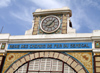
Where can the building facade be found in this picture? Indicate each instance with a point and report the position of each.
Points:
(50, 46)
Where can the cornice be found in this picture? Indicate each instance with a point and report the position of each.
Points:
(53, 12)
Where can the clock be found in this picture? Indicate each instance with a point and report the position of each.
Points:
(50, 24)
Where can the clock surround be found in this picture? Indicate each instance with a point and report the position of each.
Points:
(50, 24)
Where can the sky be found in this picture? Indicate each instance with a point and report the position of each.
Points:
(16, 15)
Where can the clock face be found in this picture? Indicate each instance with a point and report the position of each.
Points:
(50, 24)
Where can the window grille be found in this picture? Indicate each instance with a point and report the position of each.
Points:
(45, 65)
(22, 69)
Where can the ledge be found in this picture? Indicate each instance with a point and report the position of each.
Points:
(53, 11)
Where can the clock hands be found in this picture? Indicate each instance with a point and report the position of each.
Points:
(50, 23)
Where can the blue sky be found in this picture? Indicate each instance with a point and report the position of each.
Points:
(16, 15)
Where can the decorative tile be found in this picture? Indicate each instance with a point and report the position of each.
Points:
(56, 55)
(61, 56)
(85, 58)
(69, 61)
(78, 67)
(74, 64)
(81, 71)
(97, 53)
(65, 58)
(97, 44)
(36, 24)
(10, 58)
(3, 46)
(1, 54)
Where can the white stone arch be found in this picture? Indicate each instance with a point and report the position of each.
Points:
(69, 60)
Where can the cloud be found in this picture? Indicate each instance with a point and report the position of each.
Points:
(78, 8)
(80, 17)
(22, 15)
(48, 4)
(90, 3)
(4, 3)
(77, 14)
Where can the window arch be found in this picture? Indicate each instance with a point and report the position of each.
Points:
(63, 57)
(45, 65)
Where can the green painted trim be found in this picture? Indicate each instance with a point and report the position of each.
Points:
(3, 64)
(93, 61)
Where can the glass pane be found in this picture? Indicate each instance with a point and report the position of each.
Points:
(32, 72)
(67, 69)
(44, 72)
(45, 65)
(48, 65)
(22, 69)
(56, 65)
(56, 72)
(42, 65)
(34, 65)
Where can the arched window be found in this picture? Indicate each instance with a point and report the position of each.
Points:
(45, 65)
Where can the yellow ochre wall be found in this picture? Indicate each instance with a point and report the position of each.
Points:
(84, 57)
